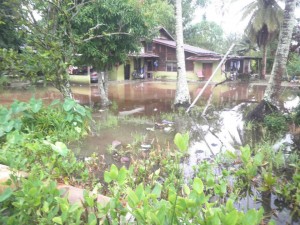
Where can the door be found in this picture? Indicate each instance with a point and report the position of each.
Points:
(127, 72)
(207, 70)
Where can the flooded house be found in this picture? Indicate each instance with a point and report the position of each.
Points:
(157, 60)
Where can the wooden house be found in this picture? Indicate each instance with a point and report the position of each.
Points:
(157, 60)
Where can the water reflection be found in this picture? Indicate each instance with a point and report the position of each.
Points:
(153, 96)
(223, 131)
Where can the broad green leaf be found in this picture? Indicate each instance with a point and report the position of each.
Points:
(246, 154)
(60, 148)
(230, 218)
(253, 217)
(57, 220)
(229, 205)
(198, 185)
(69, 104)
(45, 207)
(139, 191)
(92, 219)
(107, 177)
(258, 159)
(157, 190)
(5, 115)
(186, 189)
(80, 109)
(132, 199)
(122, 176)
(8, 126)
(113, 172)
(6, 194)
(17, 107)
(1, 132)
(35, 105)
(154, 218)
(182, 141)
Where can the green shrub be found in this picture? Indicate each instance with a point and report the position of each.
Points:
(275, 123)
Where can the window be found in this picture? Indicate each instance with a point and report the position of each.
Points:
(171, 66)
(149, 47)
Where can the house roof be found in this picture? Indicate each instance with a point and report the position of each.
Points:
(243, 57)
(197, 58)
(163, 31)
(187, 48)
(144, 55)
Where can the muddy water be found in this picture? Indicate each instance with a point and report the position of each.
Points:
(220, 130)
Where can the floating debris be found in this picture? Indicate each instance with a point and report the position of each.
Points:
(168, 130)
(167, 122)
(124, 159)
(150, 128)
(146, 146)
(115, 144)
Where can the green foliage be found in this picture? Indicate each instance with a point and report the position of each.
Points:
(275, 123)
(62, 122)
(9, 19)
(205, 34)
(293, 66)
(297, 116)
(42, 203)
(31, 135)
(182, 141)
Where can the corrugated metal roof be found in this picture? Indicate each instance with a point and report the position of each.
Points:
(188, 48)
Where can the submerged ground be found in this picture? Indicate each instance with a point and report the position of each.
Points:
(145, 108)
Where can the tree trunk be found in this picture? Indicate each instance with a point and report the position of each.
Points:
(264, 63)
(270, 100)
(103, 88)
(272, 92)
(182, 96)
(62, 83)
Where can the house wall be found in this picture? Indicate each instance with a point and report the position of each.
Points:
(117, 73)
(168, 54)
(190, 75)
(198, 66)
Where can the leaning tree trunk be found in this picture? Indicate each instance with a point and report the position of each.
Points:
(270, 100)
(182, 96)
(283, 47)
(62, 83)
(103, 88)
(264, 63)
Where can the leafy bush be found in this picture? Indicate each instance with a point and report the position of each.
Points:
(62, 122)
(275, 123)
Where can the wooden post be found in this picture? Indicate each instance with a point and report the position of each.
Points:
(211, 77)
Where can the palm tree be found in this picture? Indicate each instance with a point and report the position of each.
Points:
(263, 26)
(269, 103)
(280, 61)
(182, 96)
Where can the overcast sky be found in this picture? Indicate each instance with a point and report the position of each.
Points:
(229, 16)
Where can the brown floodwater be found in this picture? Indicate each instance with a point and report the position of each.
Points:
(221, 130)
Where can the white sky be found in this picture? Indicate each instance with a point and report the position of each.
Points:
(228, 16)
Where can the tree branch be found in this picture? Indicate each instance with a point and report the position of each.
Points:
(104, 35)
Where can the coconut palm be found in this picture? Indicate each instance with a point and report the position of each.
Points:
(269, 102)
(280, 61)
(182, 96)
(263, 26)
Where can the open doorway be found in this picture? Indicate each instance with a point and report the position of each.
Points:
(127, 72)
